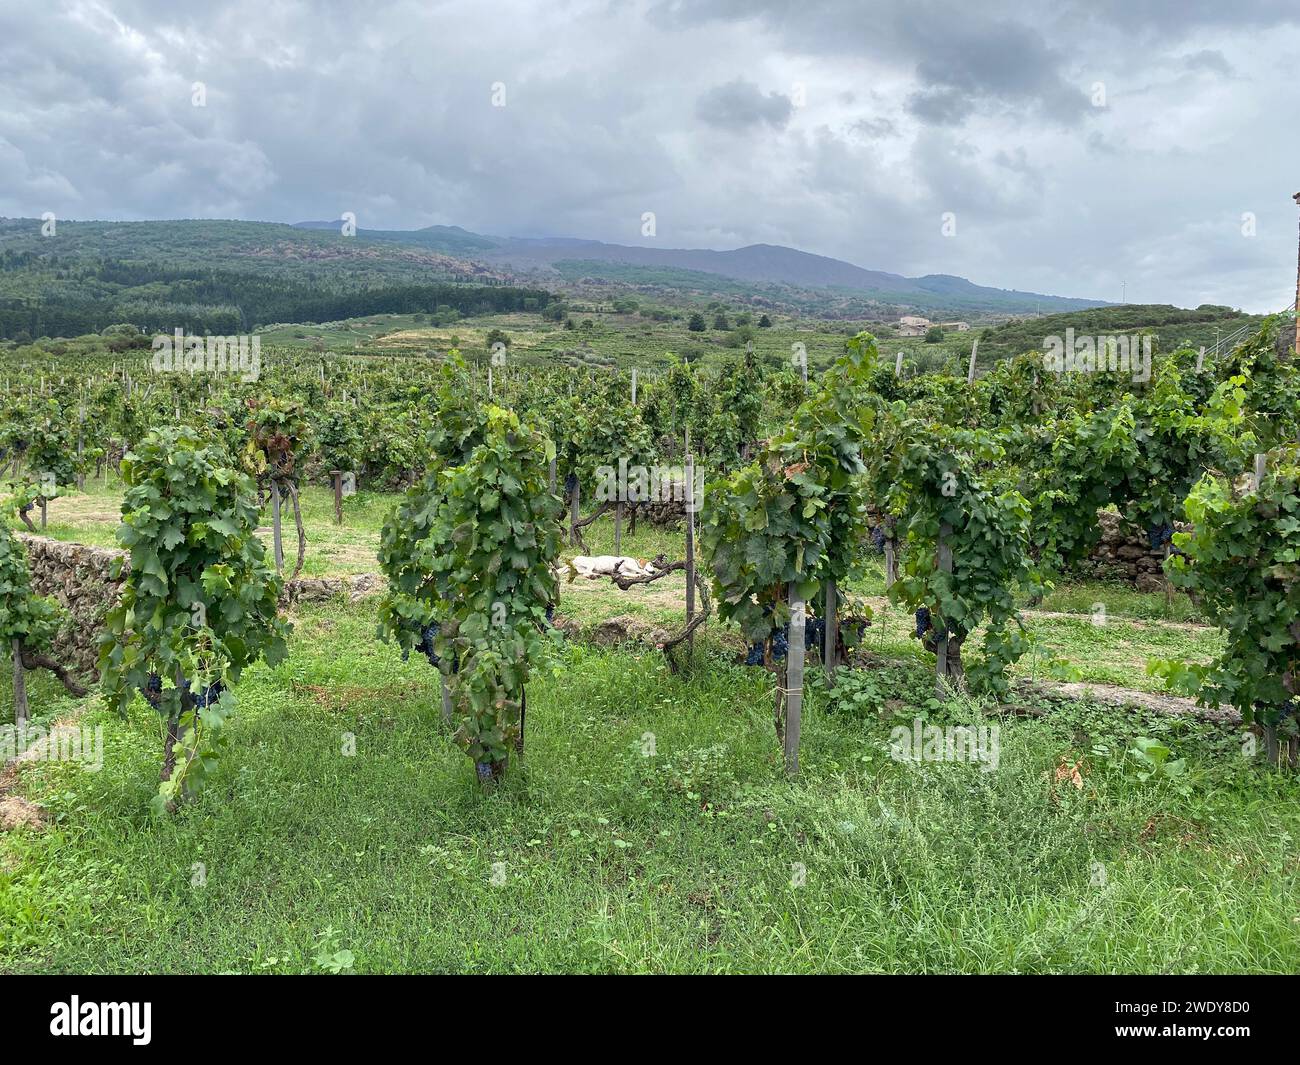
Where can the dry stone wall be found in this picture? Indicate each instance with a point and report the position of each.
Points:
(1125, 554)
(80, 578)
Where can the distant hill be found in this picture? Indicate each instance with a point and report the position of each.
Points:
(236, 273)
(1173, 326)
(229, 276)
(573, 258)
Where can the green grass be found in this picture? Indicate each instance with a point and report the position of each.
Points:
(618, 861)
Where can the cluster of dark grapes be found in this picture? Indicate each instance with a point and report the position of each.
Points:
(153, 692)
(814, 633)
(427, 635)
(925, 624)
(878, 538)
(570, 483)
(1159, 535)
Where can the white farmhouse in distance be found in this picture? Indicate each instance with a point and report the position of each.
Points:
(912, 326)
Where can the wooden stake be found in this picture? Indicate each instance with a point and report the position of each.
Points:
(1296, 197)
(941, 643)
(276, 540)
(20, 684)
(574, 499)
(523, 715)
(1169, 588)
(618, 527)
(832, 631)
(634, 386)
(898, 365)
(338, 496)
(81, 473)
(970, 370)
(794, 681)
(689, 471)
(446, 697)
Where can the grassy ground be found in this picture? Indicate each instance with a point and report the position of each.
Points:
(652, 830)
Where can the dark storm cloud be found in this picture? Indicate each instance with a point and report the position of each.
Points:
(1080, 145)
(740, 105)
(1209, 59)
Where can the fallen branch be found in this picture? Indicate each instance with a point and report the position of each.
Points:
(662, 568)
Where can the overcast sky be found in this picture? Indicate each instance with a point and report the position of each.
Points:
(1108, 142)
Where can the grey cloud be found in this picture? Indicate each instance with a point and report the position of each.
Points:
(914, 107)
(741, 105)
(941, 107)
(1211, 60)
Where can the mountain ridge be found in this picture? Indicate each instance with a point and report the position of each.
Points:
(755, 263)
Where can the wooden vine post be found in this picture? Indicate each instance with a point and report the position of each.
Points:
(831, 638)
(1270, 731)
(276, 536)
(970, 370)
(81, 428)
(689, 473)
(20, 684)
(552, 475)
(941, 639)
(575, 499)
(794, 680)
(891, 547)
(337, 475)
(1296, 197)
(446, 698)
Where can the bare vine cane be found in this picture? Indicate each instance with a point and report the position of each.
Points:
(33, 660)
(292, 488)
(576, 528)
(669, 645)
